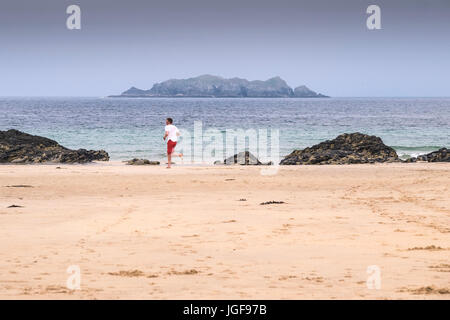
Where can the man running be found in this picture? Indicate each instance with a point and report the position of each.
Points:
(171, 133)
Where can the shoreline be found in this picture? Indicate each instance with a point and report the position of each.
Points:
(115, 163)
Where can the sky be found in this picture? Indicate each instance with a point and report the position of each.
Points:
(324, 44)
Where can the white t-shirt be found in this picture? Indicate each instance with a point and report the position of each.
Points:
(172, 130)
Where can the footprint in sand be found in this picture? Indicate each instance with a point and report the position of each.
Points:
(427, 248)
(132, 274)
(181, 273)
(443, 267)
(19, 186)
(427, 290)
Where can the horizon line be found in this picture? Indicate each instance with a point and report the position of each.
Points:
(315, 98)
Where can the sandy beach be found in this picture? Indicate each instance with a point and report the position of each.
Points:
(202, 233)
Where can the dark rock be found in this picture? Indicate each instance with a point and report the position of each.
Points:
(345, 149)
(20, 147)
(142, 162)
(242, 158)
(442, 155)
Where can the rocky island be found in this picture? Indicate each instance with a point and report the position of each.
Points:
(218, 87)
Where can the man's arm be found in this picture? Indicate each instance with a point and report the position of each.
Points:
(165, 135)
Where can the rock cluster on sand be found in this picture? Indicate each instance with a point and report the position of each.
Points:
(20, 147)
(344, 149)
(242, 158)
(442, 155)
(142, 162)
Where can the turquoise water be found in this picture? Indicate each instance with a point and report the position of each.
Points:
(128, 128)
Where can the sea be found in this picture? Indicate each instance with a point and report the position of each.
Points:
(133, 127)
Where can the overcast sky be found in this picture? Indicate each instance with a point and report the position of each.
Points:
(324, 44)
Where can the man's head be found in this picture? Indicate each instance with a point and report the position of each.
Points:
(169, 121)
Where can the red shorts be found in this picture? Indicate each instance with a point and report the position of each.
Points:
(170, 146)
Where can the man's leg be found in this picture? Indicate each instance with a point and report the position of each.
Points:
(179, 155)
(169, 159)
(176, 154)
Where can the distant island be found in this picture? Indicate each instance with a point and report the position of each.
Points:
(210, 86)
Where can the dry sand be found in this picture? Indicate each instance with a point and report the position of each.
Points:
(187, 233)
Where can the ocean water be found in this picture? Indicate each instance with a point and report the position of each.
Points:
(128, 128)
